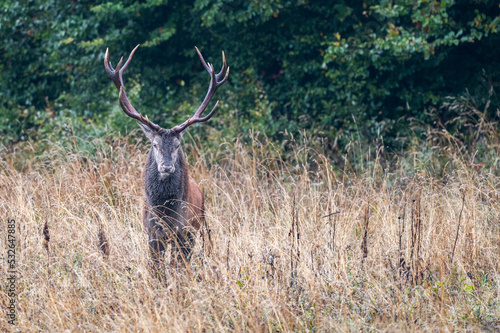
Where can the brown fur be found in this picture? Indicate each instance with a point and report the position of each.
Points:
(196, 214)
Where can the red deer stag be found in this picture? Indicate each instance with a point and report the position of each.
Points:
(174, 204)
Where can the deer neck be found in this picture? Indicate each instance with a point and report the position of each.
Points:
(173, 188)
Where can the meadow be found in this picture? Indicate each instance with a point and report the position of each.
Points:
(295, 244)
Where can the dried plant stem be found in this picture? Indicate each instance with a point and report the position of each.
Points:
(266, 271)
(364, 242)
(458, 230)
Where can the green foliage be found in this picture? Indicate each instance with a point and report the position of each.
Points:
(405, 57)
(331, 69)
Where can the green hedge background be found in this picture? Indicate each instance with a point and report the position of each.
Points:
(381, 69)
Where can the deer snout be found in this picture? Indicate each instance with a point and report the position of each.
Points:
(167, 168)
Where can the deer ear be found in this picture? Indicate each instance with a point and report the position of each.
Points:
(181, 133)
(147, 131)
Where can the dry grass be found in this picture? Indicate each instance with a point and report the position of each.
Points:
(390, 260)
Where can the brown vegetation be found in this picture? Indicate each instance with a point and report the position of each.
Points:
(407, 250)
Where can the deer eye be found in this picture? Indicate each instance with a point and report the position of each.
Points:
(155, 145)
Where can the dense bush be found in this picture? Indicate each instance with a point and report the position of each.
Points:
(328, 68)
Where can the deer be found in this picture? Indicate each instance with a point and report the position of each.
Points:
(174, 205)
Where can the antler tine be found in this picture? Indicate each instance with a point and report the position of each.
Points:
(116, 75)
(202, 60)
(215, 82)
(223, 69)
(211, 113)
(112, 71)
(127, 62)
(211, 91)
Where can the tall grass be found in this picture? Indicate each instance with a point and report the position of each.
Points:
(406, 248)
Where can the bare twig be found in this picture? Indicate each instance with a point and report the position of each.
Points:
(46, 236)
(331, 214)
(458, 230)
(364, 244)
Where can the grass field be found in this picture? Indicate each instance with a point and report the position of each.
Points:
(410, 248)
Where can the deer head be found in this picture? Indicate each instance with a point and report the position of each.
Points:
(165, 143)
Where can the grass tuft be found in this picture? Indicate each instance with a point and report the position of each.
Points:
(291, 245)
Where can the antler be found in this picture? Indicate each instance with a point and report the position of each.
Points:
(116, 76)
(216, 80)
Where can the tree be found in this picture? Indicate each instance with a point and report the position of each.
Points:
(295, 65)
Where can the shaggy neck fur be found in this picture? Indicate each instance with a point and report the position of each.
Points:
(166, 195)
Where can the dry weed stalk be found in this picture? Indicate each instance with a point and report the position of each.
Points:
(258, 206)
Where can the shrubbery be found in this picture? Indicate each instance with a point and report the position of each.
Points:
(330, 69)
